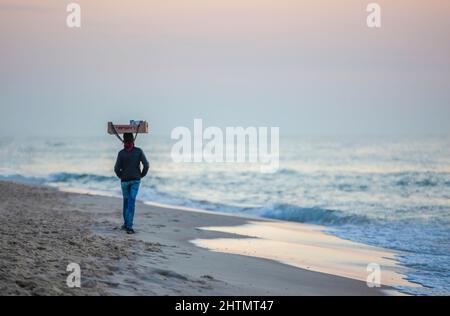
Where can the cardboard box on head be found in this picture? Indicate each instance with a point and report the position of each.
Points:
(140, 127)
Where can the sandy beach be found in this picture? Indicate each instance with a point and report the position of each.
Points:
(43, 230)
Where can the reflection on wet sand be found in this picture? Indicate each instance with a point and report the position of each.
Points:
(307, 247)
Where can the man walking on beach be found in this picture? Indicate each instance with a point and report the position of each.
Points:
(128, 169)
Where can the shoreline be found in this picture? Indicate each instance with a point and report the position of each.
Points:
(160, 260)
(247, 233)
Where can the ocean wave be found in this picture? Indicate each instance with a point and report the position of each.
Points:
(60, 177)
(280, 211)
(422, 179)
(313, 215)
(23, 179)
(347, 187)
(79, 177)
(419, 183)
(55, 144)
(288, 172)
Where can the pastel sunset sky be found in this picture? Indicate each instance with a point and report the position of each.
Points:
(310, 67)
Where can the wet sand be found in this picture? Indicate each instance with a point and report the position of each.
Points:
(43, 230)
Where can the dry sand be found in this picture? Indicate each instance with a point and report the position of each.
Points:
(43, 230)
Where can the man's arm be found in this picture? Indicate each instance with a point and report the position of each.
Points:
(145, 163)
(118, 166)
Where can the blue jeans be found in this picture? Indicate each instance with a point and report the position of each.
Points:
(129, 191)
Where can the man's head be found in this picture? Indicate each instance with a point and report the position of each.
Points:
(128, 138)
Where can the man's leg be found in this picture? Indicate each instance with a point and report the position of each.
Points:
(125, 194)
(125, 210)
(134, 188)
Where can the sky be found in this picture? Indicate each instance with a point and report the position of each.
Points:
(308, 67)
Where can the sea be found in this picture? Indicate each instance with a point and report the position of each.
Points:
(391, 192)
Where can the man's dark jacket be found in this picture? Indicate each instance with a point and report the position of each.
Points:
(128, 166)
